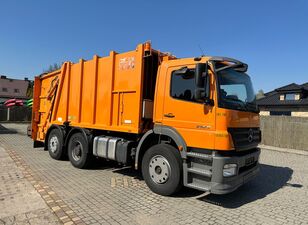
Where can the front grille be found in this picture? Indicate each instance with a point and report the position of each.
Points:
(245, 138)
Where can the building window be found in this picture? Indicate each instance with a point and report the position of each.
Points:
(290, 97)
(281, 97)
(4, 89)
(16, 90)
(297, 96)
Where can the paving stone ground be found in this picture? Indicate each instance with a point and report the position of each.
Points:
(108, 194)
(20, 203)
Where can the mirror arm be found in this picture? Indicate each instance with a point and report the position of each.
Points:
(209, 102)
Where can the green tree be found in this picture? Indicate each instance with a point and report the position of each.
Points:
(30, 89)
(260, 94)
(52, 68)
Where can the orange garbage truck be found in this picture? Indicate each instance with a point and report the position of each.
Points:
(189, 121)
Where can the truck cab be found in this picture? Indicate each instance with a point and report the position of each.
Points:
(210, 105)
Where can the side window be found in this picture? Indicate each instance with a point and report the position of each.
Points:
(183, 86)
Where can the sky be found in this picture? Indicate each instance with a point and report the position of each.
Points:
(271, 36)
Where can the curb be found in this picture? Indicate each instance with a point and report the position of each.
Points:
(285, 150)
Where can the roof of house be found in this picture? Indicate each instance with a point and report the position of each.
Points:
(13, 88)
(305, 85)
(293, 87)
(272, 98)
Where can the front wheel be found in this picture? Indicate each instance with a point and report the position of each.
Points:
(78, 153)
(162, 169)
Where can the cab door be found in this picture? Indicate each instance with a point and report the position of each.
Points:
(194, 120)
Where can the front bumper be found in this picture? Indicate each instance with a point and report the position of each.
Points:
(246, 171)
(214, 181)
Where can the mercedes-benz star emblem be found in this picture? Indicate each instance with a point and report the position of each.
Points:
(250, 135)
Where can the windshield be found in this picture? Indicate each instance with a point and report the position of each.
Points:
(236, 91)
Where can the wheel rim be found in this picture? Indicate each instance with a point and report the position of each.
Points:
(159, 169)
(77, 151)
(54, 143)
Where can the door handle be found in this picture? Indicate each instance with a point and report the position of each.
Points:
(169, 115)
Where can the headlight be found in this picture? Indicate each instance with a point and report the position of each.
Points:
(229, 170)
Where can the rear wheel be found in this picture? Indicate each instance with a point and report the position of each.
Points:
(78, 151)
(162, 169)
(55, 144)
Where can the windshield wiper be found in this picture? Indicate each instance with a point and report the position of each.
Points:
(237, 100)
(247, 106)
(251, 103)
(253, 106)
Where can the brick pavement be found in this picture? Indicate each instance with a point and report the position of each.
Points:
(20, 203)
(107, 194)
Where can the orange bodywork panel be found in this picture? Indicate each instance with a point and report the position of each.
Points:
(194, 121)
(102, 93)
(201, 126)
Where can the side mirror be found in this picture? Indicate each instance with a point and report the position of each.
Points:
(199, 94)
(200, 73)
(202, 80)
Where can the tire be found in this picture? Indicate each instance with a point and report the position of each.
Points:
(55, 144)
(78, 151)
(162, 169)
